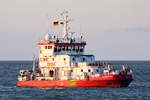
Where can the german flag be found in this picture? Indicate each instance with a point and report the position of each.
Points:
(56, 23)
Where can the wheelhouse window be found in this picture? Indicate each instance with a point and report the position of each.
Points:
(81, 49)
(76, 47)
(55, 49)
(63, 48)
(83, 59)
(73, 48)
(66, 48)
(59, 48)
(69, 48)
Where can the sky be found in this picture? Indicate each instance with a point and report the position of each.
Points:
(114, 29)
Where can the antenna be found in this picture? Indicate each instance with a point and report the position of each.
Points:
(65, 20)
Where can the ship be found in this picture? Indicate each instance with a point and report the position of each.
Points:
(63, 62)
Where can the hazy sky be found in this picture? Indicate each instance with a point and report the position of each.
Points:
(114, 29)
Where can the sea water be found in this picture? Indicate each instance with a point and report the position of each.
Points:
(139, 89)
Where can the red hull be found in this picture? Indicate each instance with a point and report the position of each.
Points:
(111, 82)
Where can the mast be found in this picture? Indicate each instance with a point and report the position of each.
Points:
(33, 67)
(65, 20)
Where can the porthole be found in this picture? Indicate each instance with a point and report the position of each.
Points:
(89, 70)
(73, 59)
(64, 59)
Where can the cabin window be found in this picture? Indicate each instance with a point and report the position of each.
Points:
(65, 73)
(63, 48)
(40, 51)
(81, 70)
(73, 48)
(41, 59)
(45, 47)
(89, 70)
(53, 59)
(49, 47)
(55, 49)
(44, 59)
(71, 70)
(81, 50)
(64, 59)
(69, 48)
(83, 59)
(77, 48)
(57, 41)
(51, 73)
(59, 48)
(73, 59)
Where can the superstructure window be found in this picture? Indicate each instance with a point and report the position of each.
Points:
(73, 59)
(77, 48)
(74, 48)
(64, 59)
(69, 48)
(81, 70)
(51, 73)
(97, 70)
(59, 48)
(89, 70)
(81, 49)
(55, 49)
(49, 47)
(63, 48)
(45, 47)
(83, 59)
(40, 51)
